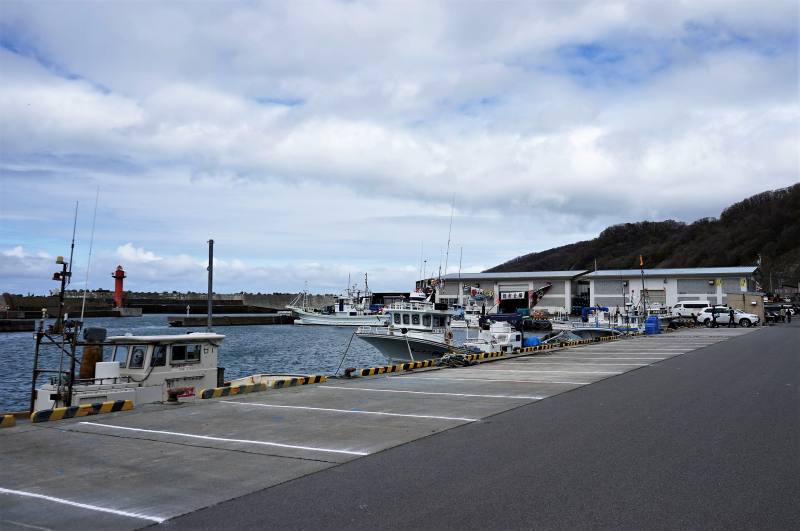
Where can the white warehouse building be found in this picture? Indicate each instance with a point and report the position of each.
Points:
(506, 292)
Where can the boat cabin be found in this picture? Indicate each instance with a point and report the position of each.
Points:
(144, 369)
(419, 316)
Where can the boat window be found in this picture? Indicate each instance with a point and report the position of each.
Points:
(121, 355)
(185, 354)
(397, 318)
(426, 321)
(193, 352)
(406, 319)
(137, 356)
(438, 322)
(415, 319)
(353, 313)
(159, 356)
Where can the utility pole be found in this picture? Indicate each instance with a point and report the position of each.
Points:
(210, 281)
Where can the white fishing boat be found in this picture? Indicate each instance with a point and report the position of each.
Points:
(495, 337)
(143, 369)
(466, 317)
(418, 329)
(349, 309)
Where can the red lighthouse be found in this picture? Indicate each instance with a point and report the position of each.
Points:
(118, 275)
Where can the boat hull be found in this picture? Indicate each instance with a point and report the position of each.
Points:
(309, 318)
(407, 348)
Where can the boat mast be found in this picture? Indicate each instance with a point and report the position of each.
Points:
(89, 261)
(447, 254)
(460, 294)
(72, 245)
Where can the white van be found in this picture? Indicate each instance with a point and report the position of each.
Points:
(689, 308)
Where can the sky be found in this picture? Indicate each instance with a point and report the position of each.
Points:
(317, 141)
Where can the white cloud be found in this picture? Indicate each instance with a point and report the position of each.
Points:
(336, 133)
(133, 254)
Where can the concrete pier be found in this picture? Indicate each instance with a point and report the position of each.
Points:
(399, 450)
(232, 320)
(17, 325)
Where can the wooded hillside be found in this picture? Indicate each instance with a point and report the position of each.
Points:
(767, 224)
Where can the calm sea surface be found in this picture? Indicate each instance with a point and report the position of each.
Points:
(246, 350)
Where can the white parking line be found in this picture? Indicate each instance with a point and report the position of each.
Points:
(592, 358)
(223, 439)
(491, 380)
(549, 371)
(355, 411)
(429, 393)
(156, 519)
(584, 364)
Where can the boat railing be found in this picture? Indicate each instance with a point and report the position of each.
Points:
(94, 381)
(394, 331)
(423, 306)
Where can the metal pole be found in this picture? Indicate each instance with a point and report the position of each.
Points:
(73, 345)
(39, 334)
(210, 280)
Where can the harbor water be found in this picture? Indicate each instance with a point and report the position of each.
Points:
(246, 350)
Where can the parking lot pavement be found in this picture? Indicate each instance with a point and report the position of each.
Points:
(133, 469)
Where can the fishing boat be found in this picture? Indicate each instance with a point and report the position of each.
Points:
(143, 369)
(495, 337)
(466, 316)
(352, 308)
(418, 329)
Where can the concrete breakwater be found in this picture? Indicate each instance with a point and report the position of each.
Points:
(17, 325)
(98, 304)
(232, 320)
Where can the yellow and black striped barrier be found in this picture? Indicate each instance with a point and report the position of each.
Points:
(537, 348)
(82, 410)
(301, 380)
(484, 356)
(410, 366)
(6, 421)
(371, 371)
(232, 390)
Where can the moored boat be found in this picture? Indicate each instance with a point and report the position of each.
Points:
(142, 369)
(349, 309)
(418, 329)
(495, 337)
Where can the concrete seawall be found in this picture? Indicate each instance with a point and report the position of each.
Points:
(232, 320)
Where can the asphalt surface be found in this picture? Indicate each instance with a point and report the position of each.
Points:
(706, 440)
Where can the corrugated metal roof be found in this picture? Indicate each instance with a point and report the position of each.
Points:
(605, 273)
(518, 275)
(677, 272)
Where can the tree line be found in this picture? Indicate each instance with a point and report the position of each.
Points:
(761, 230)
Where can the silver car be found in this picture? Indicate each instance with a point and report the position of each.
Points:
(723, 316)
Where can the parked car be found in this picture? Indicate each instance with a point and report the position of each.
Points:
(689, 308)
(723, 316)
(772, 313)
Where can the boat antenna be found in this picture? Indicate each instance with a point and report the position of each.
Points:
(421, 254)
(449, 233)
(89, 261)
(210, 281)
(460, 255)
(72, 245)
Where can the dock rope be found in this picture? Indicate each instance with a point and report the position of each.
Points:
(345, 353)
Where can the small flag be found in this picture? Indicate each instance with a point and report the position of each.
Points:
(641, 261)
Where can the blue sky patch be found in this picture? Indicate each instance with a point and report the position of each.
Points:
(285, 102)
